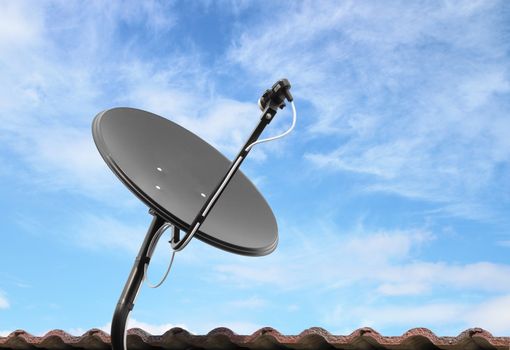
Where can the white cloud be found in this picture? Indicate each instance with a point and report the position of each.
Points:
(402, 288)
(415, 102)
(4, 302)
(156, 15)
(204, 327)
(337, 261)
(154, 329)
(238, 327)
(18, 26)
(413, 118)
(382, 264)
(397, 288)
(51, 91)
(76, 331)
(480, 276)
(293, 307)
(5, 333)
(47, 105)
(223, 122)
(244, 274)
(107, 233)
(419, 315)
(249, 303)
(491, 315)
(241, 327)
(456, 316)
(65, 158)
(504, 243)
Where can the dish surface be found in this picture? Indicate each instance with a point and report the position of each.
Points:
(173, 171)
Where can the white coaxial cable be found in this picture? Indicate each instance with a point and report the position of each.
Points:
(147, 282)
(294, 117)
(152, 247)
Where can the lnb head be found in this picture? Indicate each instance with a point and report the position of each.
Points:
(275, 97)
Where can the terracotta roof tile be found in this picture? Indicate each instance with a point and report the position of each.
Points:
(264, 338)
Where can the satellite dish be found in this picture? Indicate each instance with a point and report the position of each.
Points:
(188, 185)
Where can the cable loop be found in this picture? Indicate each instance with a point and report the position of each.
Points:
(294, 118)
(150, 251)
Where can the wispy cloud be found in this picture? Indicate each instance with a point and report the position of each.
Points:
(5, 333)
(409, 98)
(249, 303)
(51, 91)
(395, 286)
(415, 102)
(48, 96)
(239, 327)
(199, 327)
(504, 243)
(64, 158)
(490, 315)
(105, 233)
(433, 315)
(222, 121)
(154, 329)
(380, 263)
(18, 26)
(4, 302)
(149, 327)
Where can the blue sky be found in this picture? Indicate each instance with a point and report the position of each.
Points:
(392, 194)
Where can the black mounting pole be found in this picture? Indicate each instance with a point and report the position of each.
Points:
(128, 296)
(269, 103)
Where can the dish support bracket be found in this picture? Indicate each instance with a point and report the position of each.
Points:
(128, 297)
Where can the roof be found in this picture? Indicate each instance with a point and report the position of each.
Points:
(264, 338)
